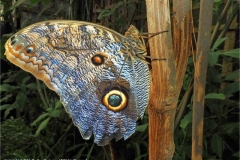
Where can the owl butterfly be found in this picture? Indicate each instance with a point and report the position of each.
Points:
(98, 73)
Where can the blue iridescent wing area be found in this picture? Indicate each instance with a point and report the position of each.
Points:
(101, 82)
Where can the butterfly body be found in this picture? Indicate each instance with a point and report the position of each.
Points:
(102, 83)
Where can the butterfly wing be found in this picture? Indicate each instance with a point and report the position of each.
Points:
(102, 86)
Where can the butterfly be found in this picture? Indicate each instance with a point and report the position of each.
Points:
(100, 75)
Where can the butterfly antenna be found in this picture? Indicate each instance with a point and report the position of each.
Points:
(141, 56)
(144, 35)
(152, 34)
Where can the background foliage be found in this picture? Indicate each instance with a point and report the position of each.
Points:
(35, 125)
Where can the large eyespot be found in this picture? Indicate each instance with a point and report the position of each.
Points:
(30, 49)
(115, 100)
(99, 58)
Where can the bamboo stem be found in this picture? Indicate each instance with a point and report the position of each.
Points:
(229, 21)
(164, 96)
(117, 149)
(182, 37)
(220, 19)
(201, 63)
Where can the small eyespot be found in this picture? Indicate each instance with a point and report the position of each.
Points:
(12, 38)
(98, 59)
(29, 49)
(18, 47)
(14, 41)
(115, 100)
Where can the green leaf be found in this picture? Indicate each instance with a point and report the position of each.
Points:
(214, 75)
(7, 88)
(215, 96)
(215, 106)
(40, 149)
(217, 144)
(75, 146)
(32, 86)
(18, 3)
(42, 116)
(50, 109)
(8, 109)
(5, 106)
(17, 155)
(80, 152)
(186, 120)
(6, 97)
(231, 88)
(55, 113)
(213, 57)
(141, 128)
(209, 124)
(217, 4)
(21, 100)
(143, 156)
(11, 77)
(120, 3)
(233, 53)
(42, 126)
(237, 154)
(218, 43)
(229, 128)
(23, 87)
(105, 13)
(90, 152)
(137, 149)
(233, 75)
(25, 79)
(58, 104)
(109, 12)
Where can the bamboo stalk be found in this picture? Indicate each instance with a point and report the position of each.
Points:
(117, 150)
(220, 19)
(229, 21)
(201, 63)
(163, 99)
(182, 37)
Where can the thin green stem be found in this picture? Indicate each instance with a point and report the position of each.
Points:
(41, 95)
(183, 104)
